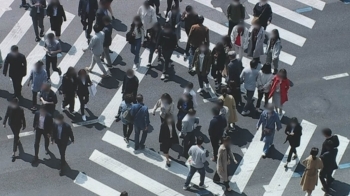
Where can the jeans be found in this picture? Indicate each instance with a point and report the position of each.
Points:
(291, 151)
(15, 131)
(267, 145)
(38, 133)
(96, 60)
(250, 95)
(201, 79)
(106, 54)
(135, 49)
(35, 98)
(38, 22)
(139, 142)
(230, 27)
(191, 56)
(193, 170)
(51, 60)
(17, 86)
(215, 144)
(261, 94)
(83, 99)
(127, 132)
(167, 56)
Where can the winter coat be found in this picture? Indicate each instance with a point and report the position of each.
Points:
(230, 103)
(284, 87)
(224, 158)
(259, 45)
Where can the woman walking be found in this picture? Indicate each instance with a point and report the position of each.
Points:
(279, 90)
(264, 85)
(293, 132)
(69, 88)
(57, 15)
(167, 136)
(273, 51)
(202, 63)
(166, 105)
(107, 4)
(218, 63)
(256, 41)
(310, 176)
(124, 108)
(136, 36)
(240, 39)
(230, 103)
(148, 16)
(83, 83)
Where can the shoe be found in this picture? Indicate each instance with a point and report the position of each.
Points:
(202, 186)
(142, 147)
(207, 86)
(199, 90)
(295, 157)
(213, 159)
(60, 172)
(37, 39)
(110, 51)
(63, 108)
(84, 118)
(162, 77)
(186, 187)
(113, 18)
(229, 189)
(102, 60)
(149, 65)
(286, 165)
(88, 69)
(34, 108)
(263, 156)
(168, 164)
(244, 113)
(167, 75)
(59, 71)
(85, 106)
(126, 140)
(84, 28)
(41, 33)
(36, 159)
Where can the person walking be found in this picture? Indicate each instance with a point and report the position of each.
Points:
(230, 103)
(167, 136)
(188, 126)
(37, 77)
(216, 131)
(273, 51)
(43, 125)
(38, 13)
(130, 84)
(87, 11)
(83, 84)
(269, 122)
(263, 13)
(235, 13)
(135, 36)
(263, 84)
(16, 65)
(69, 89)
(293, 132)
(148, 16)
(279, 90)
(189, 90)
(249, 77)
(62, 135)
(174, 19)
(240, 39)
(57, 15)
(327, 133)
(218, 56)
(48, 98)
(233, 72)
(198, 159)
(310, 176)
(52, 48)
(155, 4)
(256, 41)
(184, 104)
(107, 30)
(202, 64)
(140, 115)
(124, 112)
(224, 112)
(100, 14)
(190, 18)
(16, 120)
(107, 4)
(152, 37)
(166, 105)
(329, 165)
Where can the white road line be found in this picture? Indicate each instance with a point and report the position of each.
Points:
(94, 186)
(5, 6)
(289, 14)
(23, 134)
(336, 76)
(118, 44)
(38, 52)
(318, 4)
(159, 161)
(282, 176)
(132, 175)
(343, 144)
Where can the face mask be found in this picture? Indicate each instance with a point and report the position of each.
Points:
(235, 3)
(164, 102)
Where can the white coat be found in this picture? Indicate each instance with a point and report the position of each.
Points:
(276, 49)
(244, 38)
(148, 17)
(259, 46)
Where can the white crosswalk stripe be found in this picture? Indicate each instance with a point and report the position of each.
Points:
(94, 186)
(5, 6)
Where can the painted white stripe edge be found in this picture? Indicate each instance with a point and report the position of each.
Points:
(23, 134)
(336, 76)
(94, 186)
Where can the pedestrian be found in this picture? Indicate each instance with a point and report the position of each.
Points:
(198, 35)
(218, 56)
(224, 111)
(263, 84)
(124, 193)
(269, 122)
(235, 91)
(96, 47)
(43, 125)
(279, 90)
(224, 161)
(124, 112)
(188, 126)
(62, 135)
(16, 63)
(165, 46)
(107, 4)
(184, 104)
(25, 5)
(155, 4)
(235, 14)
(16, 121)
(167, 136)
(38, 13)
(107, 30)
(148, 16)
(37, 76)
(263, 13)
(198, 159)
(174, 19)
(140, 115)
(57, 15)
(100, 14)
(293, 132)
(130, 84)
(48, 98)
(152, 39)
(327, 133)
(233, 72)
(87, 11)
(83, 84)
(52, 47)
(216, 131)
(202, 64)
(273, 51)
(256, 41)
(230, 103)
(135, 36)
(329, 165)
(240, 39)
(190, 18)
(310, 176)
(69, 89)
(249, 77)
(166, 106)
(170, 4)
(189, 90)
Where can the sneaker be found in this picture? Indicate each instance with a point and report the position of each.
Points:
(88, 69)
(244, 113)
(202, 186)
(84, 118)
(149, 65)
(59, 71)
(162, 77)
(286, 165)
(186, 187)
(63, 108)
(199, 90)
(126, 140)
(207, 86)
(185, 57)
(295, 157)
(42, 33)
(37, 39)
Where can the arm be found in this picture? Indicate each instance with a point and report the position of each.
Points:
(287, 130)
(80, 8)
(278, 123)
(124, 82)
(34, 121)
(161, 132)
(229, 11)
(242, 76)
(277, 50)
(242, 12)
(147, 117)
(1, 61)
(58, 50)
(6, 65)
(6, 116)
(207, 37)
(88, 80)
(156, 106)
(24, 65)
(142, 34)
(63, 14)
(260, 120)
(269, 10)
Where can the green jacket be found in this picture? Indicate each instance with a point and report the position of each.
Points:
(235, 13)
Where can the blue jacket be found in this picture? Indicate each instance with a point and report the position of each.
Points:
(122, 108)
(140, 114)
(272, 123)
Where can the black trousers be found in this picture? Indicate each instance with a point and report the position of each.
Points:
(15, 131)
(51, 61)
(155, 4)
(62, 146)
(237, 95)
(87, 23)
(152, 48)
(216, 178)
(201, 79)
(326, 178)
(167, 56)
(38, 22)
(83, 99)
(188, 141)
(24, 2)
(127, 130)
(170, 3)
(69, 100)
(217, 75)
(215, 144)
(17, 86)
(35, 98)
(38, 134)
(261, 94)
(230, 27)
(56, 24)
(291, 151)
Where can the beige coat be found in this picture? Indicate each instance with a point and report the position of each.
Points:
(310, 176)
(224, 158)
(230, 102)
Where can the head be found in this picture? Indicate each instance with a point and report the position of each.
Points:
(226, 141)
(106, 20)
(42, 110)
(263, 1)
(71, 72)
(130, 73)
(327, 132)
(275, 34)
(46, 86)
(146, 4)
(139, 98)
(96, 28)
(189, 9)
(186, 97)
(156, 26)
(169, 119)
(224, 91)
(167, 28)
(232, 55)
(192, 112)
(124, 193)
(220, 47)
(314, 152)
(241, 23)
(220, 103)
(189, 86)
(293, 122)
(203, 48)
(235, 2)
(82, 73)
(215, 111)
(266, 68)
(14, 49)
(174, 9)
(59, 119)
(50, 37)
(282, 73)
(199, 141)
(254, 64)
(14, 102)
(166, 98)
(226, 40)
(200, 19)
(137, 21)
(39, 65)
(269, 108)
(55, 2)
(256, 24)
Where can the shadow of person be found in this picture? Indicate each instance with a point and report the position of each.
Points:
(69, 172)
(118, 25)
(25, 156)
(340, 188)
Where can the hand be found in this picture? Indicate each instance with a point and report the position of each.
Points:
(291, 134)
(4, 125)
(48, 135)
(28, 84)
(52, 142)
(51, 52)
(44, 102)
(288, 133)
(175, 26)
(146, 129)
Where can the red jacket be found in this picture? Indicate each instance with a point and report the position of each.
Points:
(283, 88)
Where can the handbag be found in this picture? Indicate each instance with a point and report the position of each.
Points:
(130, 37)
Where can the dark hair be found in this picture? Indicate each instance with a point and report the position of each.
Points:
(106, 19)
(200, 19)
(128, 98)
(138, 19)
(254, 63)
(275, 31)
(294, 120)
(139, 98)
(166, 25)
(219, 47)
(215, 111)
(14, 48)
(81, 71)
(50, 36)
(266, 68)
(189, 97)
(174, 7)
(124, 193)
(189, 8)
(224, 91)
(190, 85)
(314, 152)
(284, 72)
(226, 40)
(14, 100)
(192, 111)
(59, 117)
(199, 140)
(220, 102)
(129, 71)
(39, 63)
(69, 70)
(167, 97)
(97, 28)
(327, 132)
(146, 3)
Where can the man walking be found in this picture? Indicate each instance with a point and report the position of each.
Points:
(235, 13)
(48, 98)
(17, 64)
(329, 165)
(38, 13)
(189, 124)
(130, 84)
(107, 30)
(234, 70)
(216, 130)
(140, 114)
(52, 48)
(249, 76)
(87, 11)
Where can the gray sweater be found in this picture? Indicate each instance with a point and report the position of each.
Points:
(198, 156)
(96, 43)
(37, 78)
(249, 77)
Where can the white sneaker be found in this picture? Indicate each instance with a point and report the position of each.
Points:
(244, 113)
(84, 118)
(162, 77)
(199, 90)
(185, 57)
(85, 106)
(207, 86)
(63, 108)
(186, 187)
(202, 186)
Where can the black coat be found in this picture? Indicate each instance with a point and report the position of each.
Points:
(264, 13)
(183, 111)
(33, 11)
(83, 89)
(58, 19)
(17, 64)
(164, 134)
(15, 116)
(48, 123)
(99, 17)
(107, 30)
(329, 160)
(130, 85)
(69, 87)
(334, 139)
(234, 70)
(294, 140)
(220, 61)
(66, 134)
(93, 6)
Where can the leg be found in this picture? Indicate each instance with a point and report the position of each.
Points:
(275, 63)
(238, 96)
(157, 4)
(41, 25)
(205, 79)
(190, 175)
(131, 126)
(125, 128)
(201, 172)
(266, 98)
(47, 141)
(108, 57)
(35, 98)
(35, 26)
(200, 81)
(190, 58)
(152, 48)
(38, 134)
(292, 149)
(167, 55)
(137, 51)
(93, 62)
(143, 138)
(240, 53)
(260, 96)
(100, 65)
(215, 144)
(137, 137)
(48, 62)
(269, 57)
(83, 21)
(267, 146)
(15, 131)
(249, 100)
(54, 65)
(230, 27)
(169, 4)
(71, 102)
(82, 104)
(89, 27)
(323, 175)
(110, 11)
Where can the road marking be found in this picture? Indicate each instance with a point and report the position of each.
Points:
(84, 123)
(38, 52)
(23, 134)
(132, 175)
(94, 186)
(317, 4)
(5, 6)
(336, 76)
(305, 9)
(344, 166)
(159, 161)
(282, 176)
(289, 14)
